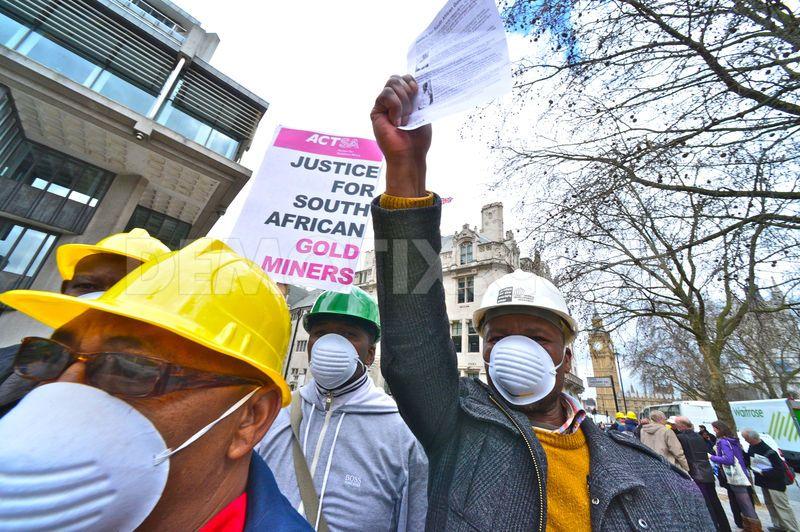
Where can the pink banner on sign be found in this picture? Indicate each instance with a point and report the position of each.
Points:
(330, 145)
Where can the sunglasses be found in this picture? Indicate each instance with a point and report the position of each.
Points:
(42, 359)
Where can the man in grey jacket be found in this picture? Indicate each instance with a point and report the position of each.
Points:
(368, 470)
(489, 448)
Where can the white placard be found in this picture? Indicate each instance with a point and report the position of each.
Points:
(306, 215)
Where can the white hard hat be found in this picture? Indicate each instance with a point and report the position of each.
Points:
(524, 289)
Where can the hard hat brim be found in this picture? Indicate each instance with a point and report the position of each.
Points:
(69, 255)
(478, 315)
(56, 310)
(367, 324)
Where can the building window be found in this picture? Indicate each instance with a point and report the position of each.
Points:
(301, 346)
(41, 184)
(465, 250)
(169, 230)
(195, 129)
(466, 289)
(473, 340)
(81, 70)
(22, 251)
(455, 334)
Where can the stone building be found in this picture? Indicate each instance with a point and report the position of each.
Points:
(471, 259)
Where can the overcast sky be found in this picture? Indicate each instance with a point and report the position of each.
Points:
(320, 64)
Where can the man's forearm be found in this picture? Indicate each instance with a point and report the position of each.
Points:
(418, 359)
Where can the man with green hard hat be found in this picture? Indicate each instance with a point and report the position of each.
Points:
(340, 452)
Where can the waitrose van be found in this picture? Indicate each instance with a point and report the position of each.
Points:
(780, 418)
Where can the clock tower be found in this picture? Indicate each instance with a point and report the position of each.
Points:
(604, 364)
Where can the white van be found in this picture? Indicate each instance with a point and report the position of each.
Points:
(698, 412)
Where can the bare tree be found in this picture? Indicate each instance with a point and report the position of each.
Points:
(661, 352)
(661, 175)
(764, 352)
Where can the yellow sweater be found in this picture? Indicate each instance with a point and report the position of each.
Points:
(567, 474)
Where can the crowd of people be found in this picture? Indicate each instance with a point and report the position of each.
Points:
(159, 400)
(721, 456)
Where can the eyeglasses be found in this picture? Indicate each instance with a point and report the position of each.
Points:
(42, 359)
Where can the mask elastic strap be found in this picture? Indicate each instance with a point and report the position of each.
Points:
(563, 356)
(199, 434)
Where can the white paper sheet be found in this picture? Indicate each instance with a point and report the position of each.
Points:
(459, 61)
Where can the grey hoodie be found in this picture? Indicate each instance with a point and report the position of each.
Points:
(371, 473)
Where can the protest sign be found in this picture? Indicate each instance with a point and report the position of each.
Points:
(460, 61)
(305, 217)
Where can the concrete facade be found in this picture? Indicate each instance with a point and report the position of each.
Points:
(164, 154)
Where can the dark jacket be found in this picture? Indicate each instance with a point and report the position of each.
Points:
(487, 470)
(267, 508)
(774, 478)
(696, 452)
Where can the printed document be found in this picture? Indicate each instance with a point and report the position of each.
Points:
(459, 61)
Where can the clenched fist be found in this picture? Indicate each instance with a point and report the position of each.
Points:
(405, 151)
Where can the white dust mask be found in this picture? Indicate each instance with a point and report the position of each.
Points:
(522, 370)
(73, 457)
(333, 361)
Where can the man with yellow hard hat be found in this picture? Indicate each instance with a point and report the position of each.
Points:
(631, 421)
(87, 270)
(153, 396)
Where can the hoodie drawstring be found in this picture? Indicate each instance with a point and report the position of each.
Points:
(328, 469)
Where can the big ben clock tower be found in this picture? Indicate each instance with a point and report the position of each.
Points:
(604, 364)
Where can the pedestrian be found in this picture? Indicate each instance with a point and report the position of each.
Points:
(730, 458)
(709, 438)
(631, 421)
(153, 397)
(638, 431)
(769, 473)
(86, 271)
(696, 452)
(516, 453)
(368, 470)
(601, 426)
(619, 422)
(663, 440)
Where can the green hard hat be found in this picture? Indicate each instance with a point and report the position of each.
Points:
(357, 304)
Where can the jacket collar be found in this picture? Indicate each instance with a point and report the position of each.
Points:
(267, 508)
(476, 401)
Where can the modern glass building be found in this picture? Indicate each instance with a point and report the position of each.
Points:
(111, 117)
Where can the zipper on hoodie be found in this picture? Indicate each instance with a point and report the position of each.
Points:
(536, 468)
(328, 412)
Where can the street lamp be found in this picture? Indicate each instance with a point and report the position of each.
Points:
(621, 386)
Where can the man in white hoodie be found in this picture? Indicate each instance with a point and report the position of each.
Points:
(369, 472)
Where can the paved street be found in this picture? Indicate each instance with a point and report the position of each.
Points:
(763, 514)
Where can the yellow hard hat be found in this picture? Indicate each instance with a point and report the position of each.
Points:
(205, 293)
(631, 415)
(619, 415)
(136, 244)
